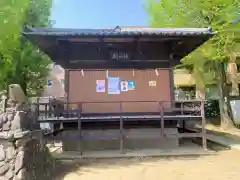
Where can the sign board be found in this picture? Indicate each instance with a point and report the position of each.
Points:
(49, 83)
(113, 85)
(119, 56)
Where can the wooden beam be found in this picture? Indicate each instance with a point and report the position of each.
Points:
(118, 65)
(121, 131)
(80, 128)
(161, 119)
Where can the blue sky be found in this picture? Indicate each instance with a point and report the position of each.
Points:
(98, 13)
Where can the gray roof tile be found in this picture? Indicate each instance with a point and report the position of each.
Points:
(118, 31)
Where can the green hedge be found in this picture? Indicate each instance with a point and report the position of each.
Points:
(212, 108)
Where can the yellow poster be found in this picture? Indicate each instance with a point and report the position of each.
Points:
(152, 83)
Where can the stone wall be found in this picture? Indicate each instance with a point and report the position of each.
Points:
(23, 155)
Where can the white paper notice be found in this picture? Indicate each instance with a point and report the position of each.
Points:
(124, 86)
(100, 86)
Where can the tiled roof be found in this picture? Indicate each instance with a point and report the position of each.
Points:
(118, 31)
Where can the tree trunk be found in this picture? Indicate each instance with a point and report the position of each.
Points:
(200, 84)
(224, 103)
(232, 71)
(200, 92)
(23, 85)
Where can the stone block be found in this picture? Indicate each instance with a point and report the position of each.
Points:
(4, 168)
(2, 153)
(18, 146)
(17, 121)
(19, 162)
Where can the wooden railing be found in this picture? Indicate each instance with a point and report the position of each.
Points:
(179, 111)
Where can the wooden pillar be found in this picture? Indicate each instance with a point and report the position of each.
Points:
(80, 128)
(66, 87)
(172, 62)
(171, 79)
(65, 49)
(204, 140)
(161, 118)
(121, 131)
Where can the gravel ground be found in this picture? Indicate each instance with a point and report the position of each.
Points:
(223, 166)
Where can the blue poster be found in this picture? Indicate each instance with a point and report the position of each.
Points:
(131, 85)
(113, 85)
(49, 83)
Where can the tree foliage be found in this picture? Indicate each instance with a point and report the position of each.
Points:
(207, 62)
(25, 65)
(12, 15)
(221, 15)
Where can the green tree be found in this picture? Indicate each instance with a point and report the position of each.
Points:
(210, 59)
(26, 65)
(12, 14)
(11, 18)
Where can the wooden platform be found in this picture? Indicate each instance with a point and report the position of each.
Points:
(90, 131)
(110, 139)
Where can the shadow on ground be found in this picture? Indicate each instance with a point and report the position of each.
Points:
(54, 169)
(213, 127)
(211, 145)
(83, 166)
(57, 170)
(42, 166)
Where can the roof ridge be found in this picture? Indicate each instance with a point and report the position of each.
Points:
(119, 31)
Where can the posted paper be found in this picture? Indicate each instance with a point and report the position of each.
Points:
(100, 85)
(124, 86)
(113, 85)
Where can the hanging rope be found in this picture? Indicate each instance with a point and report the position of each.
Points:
(156, 70)
(107, 73)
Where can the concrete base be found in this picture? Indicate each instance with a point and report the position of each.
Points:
(181, 151)
(134, 139)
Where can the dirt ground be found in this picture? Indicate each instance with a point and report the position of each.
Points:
(222, 166)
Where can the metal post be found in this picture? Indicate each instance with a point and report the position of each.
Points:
(46, 111)
(42, 142)
(204, 141)
(181, 107)
(181, 123)
(121, 131)
(80, 128)
(161, 118)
